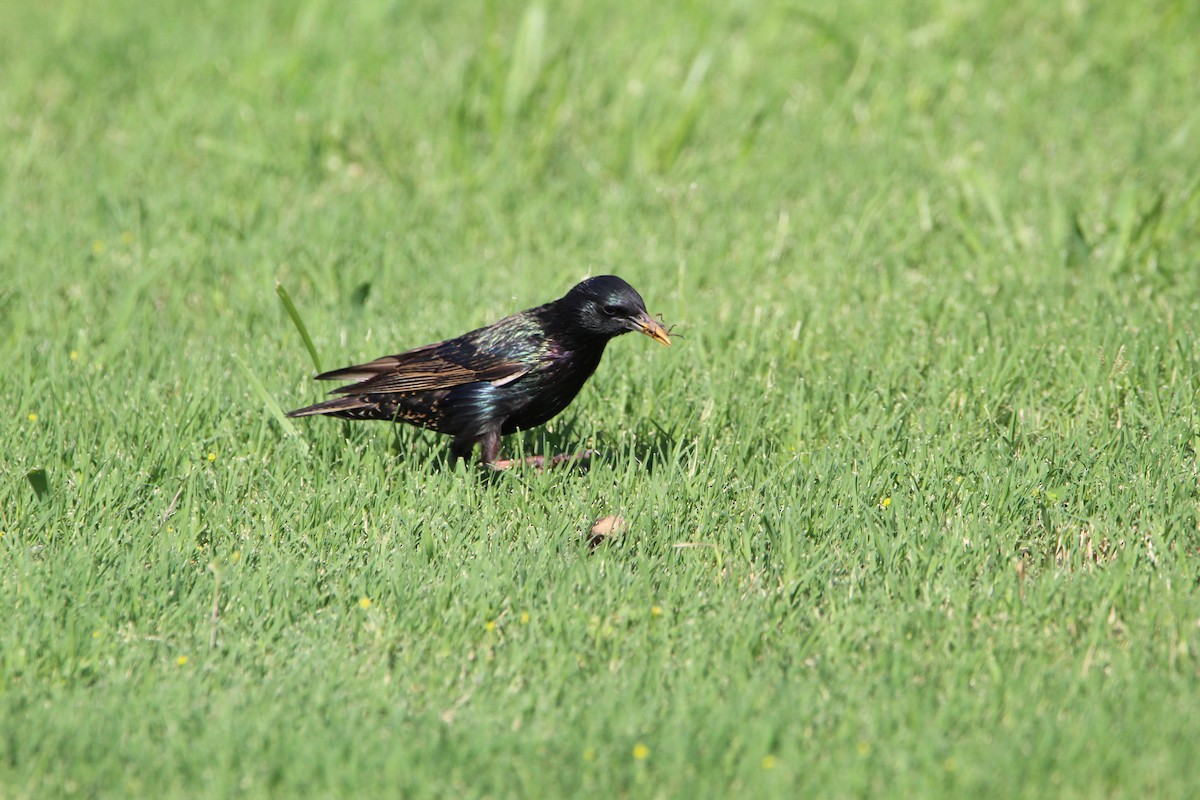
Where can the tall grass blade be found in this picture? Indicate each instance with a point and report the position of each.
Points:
(290, 307)
(276, 410)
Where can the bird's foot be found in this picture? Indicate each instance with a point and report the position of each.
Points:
(542, 462)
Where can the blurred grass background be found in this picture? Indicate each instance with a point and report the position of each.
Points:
(913, 507)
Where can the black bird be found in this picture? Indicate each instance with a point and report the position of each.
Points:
(513, 375)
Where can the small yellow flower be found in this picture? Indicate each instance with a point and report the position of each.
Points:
(885, 502)
(95, 634)
(98, 247)
(32, 416)
(127, 237)
(589, 754)
(641, 752)
(524, 617)
(181, 660)
(74, 355)
(656, 611)
(212, 457)
(770, 762)
(490, 625)
(364, 603)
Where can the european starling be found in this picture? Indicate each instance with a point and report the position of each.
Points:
(513, 375)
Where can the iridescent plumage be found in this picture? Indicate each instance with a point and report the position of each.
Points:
(512, 375)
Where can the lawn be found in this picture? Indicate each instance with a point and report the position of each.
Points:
(913, 506)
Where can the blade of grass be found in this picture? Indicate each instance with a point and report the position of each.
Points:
(527, 60)
(269, 401)
(290, 307)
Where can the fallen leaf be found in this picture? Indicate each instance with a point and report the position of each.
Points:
(605, 529)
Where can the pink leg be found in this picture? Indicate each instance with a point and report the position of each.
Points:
(541, 462)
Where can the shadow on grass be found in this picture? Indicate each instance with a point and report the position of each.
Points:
(651, 446)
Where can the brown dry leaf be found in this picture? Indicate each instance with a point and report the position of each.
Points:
(605, 529)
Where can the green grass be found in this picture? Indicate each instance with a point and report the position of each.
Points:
(931, 439)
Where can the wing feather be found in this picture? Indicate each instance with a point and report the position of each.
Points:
(437, 366)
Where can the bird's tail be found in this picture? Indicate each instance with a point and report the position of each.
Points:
(351, 407)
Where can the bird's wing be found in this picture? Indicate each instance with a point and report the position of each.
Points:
(435, 366)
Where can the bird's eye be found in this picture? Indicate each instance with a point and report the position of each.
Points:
(611, 311)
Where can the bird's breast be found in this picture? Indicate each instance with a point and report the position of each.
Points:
(544, 392)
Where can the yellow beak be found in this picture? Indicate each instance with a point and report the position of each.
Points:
(654, 329)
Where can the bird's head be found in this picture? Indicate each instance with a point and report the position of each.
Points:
(606, 306)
